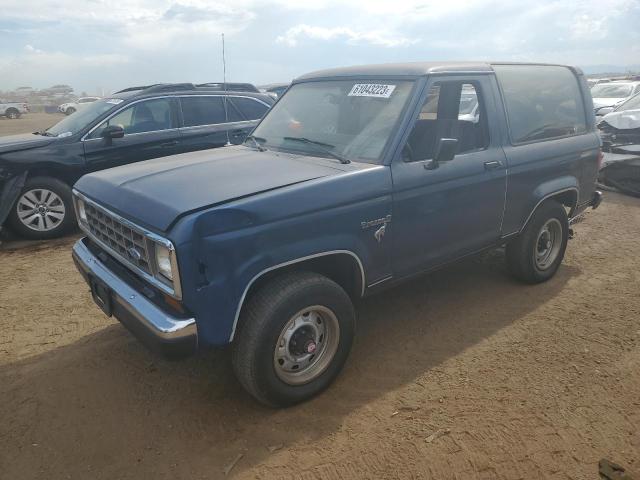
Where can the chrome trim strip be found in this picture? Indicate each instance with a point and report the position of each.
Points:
(176, 291)
(382, 280)
(547, 197)
(161, 324)
(291, 262)
(115, 112)
(242, 123)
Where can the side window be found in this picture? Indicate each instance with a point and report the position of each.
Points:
(141, 117)
(541, 101)
(207, 111)
(251, 109)
(450, 110)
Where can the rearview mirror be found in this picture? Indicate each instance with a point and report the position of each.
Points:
(113, 131)
(445, 150)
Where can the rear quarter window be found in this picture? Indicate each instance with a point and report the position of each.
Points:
(250, 108)
(542, 102)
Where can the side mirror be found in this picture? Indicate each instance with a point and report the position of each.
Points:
(445, 150)
(113, 131)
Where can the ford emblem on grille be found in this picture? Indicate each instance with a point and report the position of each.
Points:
(134, 253)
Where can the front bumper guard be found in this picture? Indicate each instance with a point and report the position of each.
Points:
(160, 331)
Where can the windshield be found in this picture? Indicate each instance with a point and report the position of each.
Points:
(632, 104)
(611, 90)
(350, 118)
(80, 119)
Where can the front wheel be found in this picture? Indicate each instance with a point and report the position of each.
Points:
(12, 113)
(295, 335)
(537, 253)
(44, 209)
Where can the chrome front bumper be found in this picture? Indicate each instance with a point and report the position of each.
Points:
(160, 331)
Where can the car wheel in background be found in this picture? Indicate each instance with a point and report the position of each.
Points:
(12, 113)
(294, 336)
(537, 253)
(69, 110)
(43, 210)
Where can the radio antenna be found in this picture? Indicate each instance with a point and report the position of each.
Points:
(224, 88)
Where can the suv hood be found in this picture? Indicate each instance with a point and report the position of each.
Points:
(156, 192)
(14, 143)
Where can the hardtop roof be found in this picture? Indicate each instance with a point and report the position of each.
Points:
(414, 69)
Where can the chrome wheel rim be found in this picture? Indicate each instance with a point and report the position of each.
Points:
(548, 244)
(13, 115)
(40, 209)
(306, 345)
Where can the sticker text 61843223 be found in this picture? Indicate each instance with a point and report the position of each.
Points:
(371, 90)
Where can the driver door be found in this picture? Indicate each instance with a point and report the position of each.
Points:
(444, 211)
(151, 131)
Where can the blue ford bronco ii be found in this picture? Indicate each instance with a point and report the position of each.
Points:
(356, 179)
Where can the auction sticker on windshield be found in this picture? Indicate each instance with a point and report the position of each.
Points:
(371, 90)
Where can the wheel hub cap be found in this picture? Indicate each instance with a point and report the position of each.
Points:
(306, 345)
(548, 245)
(40, 209)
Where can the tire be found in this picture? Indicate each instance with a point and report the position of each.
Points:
(69, 111)
(316, 304)
(535, 256)
(12, 114)
(53, 199)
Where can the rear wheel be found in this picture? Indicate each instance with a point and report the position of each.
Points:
(12, 113)
(537, 253)
(43, 210)
(294, 337)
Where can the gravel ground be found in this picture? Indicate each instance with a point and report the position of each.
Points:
(462, 374)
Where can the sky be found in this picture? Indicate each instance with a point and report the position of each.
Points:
(105, 45)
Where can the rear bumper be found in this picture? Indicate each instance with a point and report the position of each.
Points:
(170, 336)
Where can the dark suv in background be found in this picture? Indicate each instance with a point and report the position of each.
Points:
(37, 170)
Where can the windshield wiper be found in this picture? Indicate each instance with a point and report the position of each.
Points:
(324, 147)
(256, 143)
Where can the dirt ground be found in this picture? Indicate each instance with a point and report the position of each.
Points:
(29, 122)
(462, 374)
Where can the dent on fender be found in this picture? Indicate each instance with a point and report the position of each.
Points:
(9, 194)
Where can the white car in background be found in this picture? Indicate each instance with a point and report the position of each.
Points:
(69, 108)
(606, 96)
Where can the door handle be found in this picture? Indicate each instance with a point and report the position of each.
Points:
(173, 143)
(493, 165)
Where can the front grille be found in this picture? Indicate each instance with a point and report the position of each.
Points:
(122, 239)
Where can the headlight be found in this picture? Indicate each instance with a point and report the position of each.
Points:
(163, 261)
(82, 215)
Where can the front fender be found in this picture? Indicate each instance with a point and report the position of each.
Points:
(9, 192)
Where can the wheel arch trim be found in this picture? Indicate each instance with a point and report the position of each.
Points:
(547, 197)
(293, 262)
